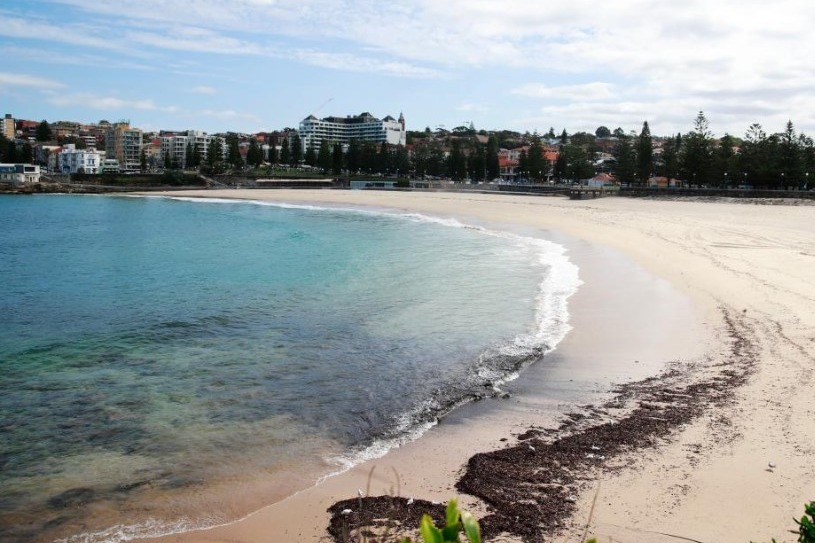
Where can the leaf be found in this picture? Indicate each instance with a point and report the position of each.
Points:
(429, 532)
(452, 513)
(450, 533)
(471, 527)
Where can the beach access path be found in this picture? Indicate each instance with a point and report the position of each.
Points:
(737, 473)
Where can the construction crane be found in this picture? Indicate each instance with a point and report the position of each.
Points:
(321, 106)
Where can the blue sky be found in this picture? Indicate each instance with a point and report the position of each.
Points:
(251, 65)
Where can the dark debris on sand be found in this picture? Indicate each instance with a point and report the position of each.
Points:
(531, 488)
(379, 518)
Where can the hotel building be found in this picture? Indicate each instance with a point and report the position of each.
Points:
(314, 131)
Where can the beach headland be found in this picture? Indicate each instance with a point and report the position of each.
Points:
(713, 437)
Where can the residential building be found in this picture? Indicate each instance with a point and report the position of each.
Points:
(110, 165)
(19, 174)
(73, 160)
(314, 131)
(124, 144)
(176, 145)
(8, 128)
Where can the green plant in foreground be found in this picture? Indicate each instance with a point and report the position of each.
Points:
(806, 526)
(457, 522)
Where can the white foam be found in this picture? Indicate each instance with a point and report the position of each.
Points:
(141, 530)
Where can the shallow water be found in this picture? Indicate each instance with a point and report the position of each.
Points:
(155, 352)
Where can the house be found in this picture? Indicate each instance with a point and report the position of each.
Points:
(19, 174)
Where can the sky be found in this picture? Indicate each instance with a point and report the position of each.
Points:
(525, 65)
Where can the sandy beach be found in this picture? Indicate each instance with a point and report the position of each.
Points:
(710, 289)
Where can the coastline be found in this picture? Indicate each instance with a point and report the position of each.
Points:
(672, 240)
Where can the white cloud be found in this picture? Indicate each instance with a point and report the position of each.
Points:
(30, 81)
(471, 107)
(741, 56)
(204, 89)
(585, 91)
(109, 103)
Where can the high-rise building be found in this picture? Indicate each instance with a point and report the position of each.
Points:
(124, 144)
(8, 129)
(366, 127)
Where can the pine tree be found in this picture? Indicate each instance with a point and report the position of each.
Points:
(296, 148)
(625, 167)
(285, 152)
(493, 167)
(324, 157)
(44, 131)
(311, 155)
(696, 158)
(645, 154)
(336, 159)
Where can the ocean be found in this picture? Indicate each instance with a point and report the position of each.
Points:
(167, 364)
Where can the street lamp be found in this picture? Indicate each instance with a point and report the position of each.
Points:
(725, 180)
(782, 181)
(806, 183)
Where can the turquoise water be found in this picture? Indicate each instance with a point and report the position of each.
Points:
(154, 351)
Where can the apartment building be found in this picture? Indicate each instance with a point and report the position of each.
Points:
(124, 144)
(73, 160)
(7, 127)
(314, 131)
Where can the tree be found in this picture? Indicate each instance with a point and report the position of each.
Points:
(645, 154)
(790, 159)
(26, 155)
(254, 155)
(696, 158)
(285, 152)
(233, 151)
(324, 158)
(296, 148)
(44, 131)
(537, 165)
(336, 159)
(215, 156)
(143, 161)
(493, 168)
(602, 132)
(311, 155)
(578, 165)
(456, 162)
(168, 162)
(625, 164)
(564, 137)
(724, 161)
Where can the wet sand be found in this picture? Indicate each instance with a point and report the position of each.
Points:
(749, 271)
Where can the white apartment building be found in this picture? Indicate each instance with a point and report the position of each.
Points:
(73, 160)
(314, 131)
(178, 145)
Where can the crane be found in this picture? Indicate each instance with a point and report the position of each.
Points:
(321, 106)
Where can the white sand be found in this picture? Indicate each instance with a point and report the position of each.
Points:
(709, 484)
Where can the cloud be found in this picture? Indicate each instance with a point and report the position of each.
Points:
(470, 107)
(109, 103)
(30, 81)
(204, 89)
(670, 59)
(585, 91)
